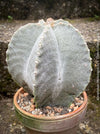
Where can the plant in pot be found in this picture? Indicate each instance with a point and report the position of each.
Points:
(51, 61)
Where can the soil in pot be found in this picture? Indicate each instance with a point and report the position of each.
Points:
(26, 102)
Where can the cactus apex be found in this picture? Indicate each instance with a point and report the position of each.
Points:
(50, 20)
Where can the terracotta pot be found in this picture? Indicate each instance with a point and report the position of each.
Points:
(62, 124)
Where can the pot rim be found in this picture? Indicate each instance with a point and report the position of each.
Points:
(68, 115)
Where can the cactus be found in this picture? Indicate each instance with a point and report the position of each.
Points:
(50, 60)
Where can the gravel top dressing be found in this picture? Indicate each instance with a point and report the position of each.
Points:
(26, 102)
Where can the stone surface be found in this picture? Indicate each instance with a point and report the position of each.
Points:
(36, 9)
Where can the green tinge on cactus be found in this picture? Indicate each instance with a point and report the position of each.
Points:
(51, 61)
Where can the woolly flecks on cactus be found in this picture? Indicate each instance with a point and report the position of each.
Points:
(50, 60)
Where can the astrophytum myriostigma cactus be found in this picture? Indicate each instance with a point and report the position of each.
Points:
(50, 60)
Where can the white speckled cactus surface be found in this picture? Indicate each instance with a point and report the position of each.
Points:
(50, 60)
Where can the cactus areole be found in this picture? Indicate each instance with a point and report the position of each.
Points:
(50, 60)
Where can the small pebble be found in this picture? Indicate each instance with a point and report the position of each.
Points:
(63, 112)
(27, 108)
(82, 98)
(25, 94)
(12, 108)
(77, 99)
(31, 109)
(72, 106)
(14, 124)
(33, 112)
(55, 108)
(37, 110)
(52, 114)
(69, 110)
(75, 108)
(21, 100)
(80, 101)
(23, 130)
(10, 125)
(41, 113)
(32, 100)
(18, 101)
(19, 97)
(57, 114)
(78, 104)
(33, 106)
(29, 103)
(59, 110)
(48, 107)
(26, 103)
(22, 95)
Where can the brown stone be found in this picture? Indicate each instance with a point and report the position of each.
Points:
(21, 100)
(55, 108)
(32, 100)
(33, 106)
(59, 110)
(48, 107)
(25, 94)
(43, 115)
(72, 106)
(52, 114)
(75, 108)
(31, 109)
(77, 99)
(81, 101)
